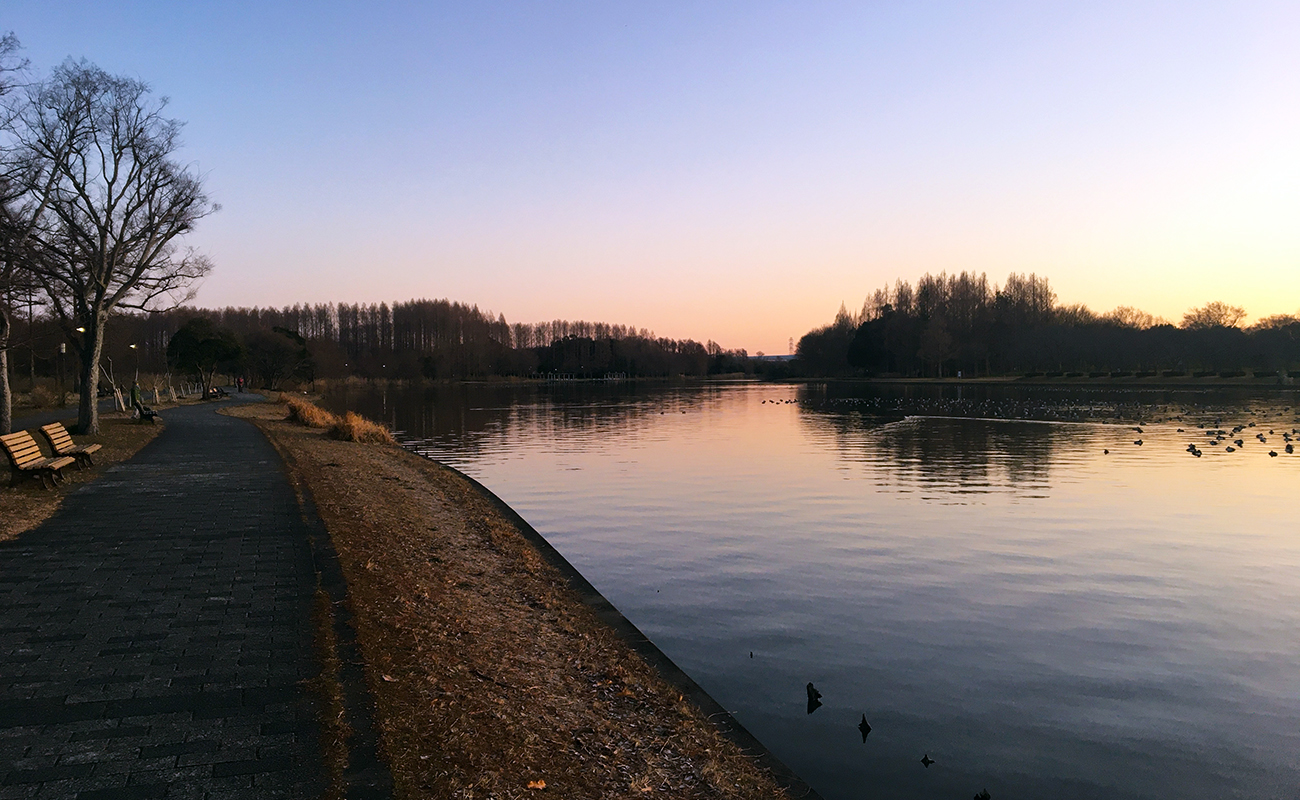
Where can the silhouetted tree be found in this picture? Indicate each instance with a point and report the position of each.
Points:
(201, 347)
(118, 202)
(278, 354)
(1214, 315)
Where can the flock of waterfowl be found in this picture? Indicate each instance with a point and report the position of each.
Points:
(864, 727)
(1044, 410)
(1074, 408)
(1218, 436)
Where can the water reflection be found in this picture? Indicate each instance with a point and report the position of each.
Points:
(953, 456)
(1005, 599)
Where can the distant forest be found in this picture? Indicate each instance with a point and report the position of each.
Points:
(949, 325)
(943, 326)
(434, 339)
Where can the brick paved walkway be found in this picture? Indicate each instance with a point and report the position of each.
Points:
(154, 634)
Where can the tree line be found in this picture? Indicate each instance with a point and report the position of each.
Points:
(416, 339)
(961, 324)
(443, 339)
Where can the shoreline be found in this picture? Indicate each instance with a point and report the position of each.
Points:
(608, 613)
(1147, 383)
(1153, 382)
(494, 664)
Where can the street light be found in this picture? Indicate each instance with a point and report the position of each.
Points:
(137, 360)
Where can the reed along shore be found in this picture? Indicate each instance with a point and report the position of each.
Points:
(492, 675)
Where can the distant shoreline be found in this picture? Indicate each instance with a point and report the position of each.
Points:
(1154, 382)
(1150, 382)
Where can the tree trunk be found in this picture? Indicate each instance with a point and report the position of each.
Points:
(31, 348)
(88, 413)
(6, 391)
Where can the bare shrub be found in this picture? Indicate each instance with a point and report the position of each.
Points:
(42, 397)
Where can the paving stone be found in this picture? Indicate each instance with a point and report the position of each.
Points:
(155, 633)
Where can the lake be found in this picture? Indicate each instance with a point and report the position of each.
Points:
(1040, 617)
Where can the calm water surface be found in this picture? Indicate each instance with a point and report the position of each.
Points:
(1040, 618)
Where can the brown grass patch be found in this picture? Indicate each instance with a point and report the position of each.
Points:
(356, 428)
(27, 505)
(489, 672)
(351, 427)
(307, 413)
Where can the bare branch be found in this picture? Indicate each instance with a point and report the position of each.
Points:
(105, 203)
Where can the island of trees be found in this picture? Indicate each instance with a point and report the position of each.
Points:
(961, 324)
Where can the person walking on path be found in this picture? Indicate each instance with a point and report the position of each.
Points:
(155, 634)
(137, 402)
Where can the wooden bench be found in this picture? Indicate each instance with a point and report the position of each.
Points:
(62, 445)
(26, 458)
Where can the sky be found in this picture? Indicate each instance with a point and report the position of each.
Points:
(725, 171)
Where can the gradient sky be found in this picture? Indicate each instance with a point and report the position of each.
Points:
(721, 170)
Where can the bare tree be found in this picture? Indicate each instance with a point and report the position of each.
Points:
(1130, 317)
(117, 203)
(14, 217)
(1214, 315)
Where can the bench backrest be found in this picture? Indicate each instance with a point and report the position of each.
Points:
(21, 449)
(58, 437)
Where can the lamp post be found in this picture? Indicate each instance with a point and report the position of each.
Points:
(63, 397)
(76, 383)
(136, 348)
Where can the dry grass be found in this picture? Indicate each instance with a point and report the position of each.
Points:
(356, 428)
(350, 427)
(489, 672)
(307, 413)
(27, 505)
